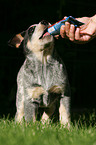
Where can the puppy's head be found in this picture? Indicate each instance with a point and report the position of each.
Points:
(35, 38)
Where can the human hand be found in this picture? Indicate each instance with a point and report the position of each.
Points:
(82, 34)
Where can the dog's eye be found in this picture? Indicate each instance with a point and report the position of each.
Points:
(31, 30)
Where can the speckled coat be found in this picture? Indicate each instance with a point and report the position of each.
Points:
(42, 83)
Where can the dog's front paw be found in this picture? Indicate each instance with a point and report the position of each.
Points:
(64, 116)
(45, 118)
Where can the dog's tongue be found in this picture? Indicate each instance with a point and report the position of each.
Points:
(46, 34)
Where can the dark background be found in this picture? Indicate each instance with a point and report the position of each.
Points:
(80, 60)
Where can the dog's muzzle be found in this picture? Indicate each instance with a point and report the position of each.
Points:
(44, 22)
(45, 33)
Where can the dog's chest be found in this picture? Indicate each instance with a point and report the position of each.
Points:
(45, 74)
(48, 74)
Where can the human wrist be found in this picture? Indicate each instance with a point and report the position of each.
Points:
(93, 20)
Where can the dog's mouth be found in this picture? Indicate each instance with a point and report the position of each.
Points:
(45, 33)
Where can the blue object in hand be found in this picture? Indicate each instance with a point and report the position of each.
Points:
(55, 28)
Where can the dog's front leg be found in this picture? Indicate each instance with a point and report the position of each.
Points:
(32, 103)
(20, 108)
(30, 110)
(64, 111)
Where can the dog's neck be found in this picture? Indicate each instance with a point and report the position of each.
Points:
(42, 53)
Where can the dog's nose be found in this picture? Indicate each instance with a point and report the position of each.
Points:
(44, 22)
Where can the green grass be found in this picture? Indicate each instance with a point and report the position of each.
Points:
(81, 132)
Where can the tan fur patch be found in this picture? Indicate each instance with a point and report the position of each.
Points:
(56, 89)
(20, 117)
(64, 117)
(48, 113)
(18, 39)
(36, 92)
(20, 111)
(34, 49)
(20, 36)
(41, 53)
(45, 118)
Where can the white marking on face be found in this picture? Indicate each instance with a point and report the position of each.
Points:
(37, 45)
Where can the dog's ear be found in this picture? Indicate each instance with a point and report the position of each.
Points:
(17, 40)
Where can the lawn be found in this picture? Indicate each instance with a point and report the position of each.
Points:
(81, 132)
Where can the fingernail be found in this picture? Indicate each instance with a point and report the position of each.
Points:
(67, 23)
(72, 25)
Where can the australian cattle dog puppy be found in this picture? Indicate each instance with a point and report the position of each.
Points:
(42, 84)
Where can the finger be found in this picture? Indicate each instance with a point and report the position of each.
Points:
(62, 31)
(72, 32)
(77, 34)
(85, 38)
(56, 36)
(65, 17)
(67, 27)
